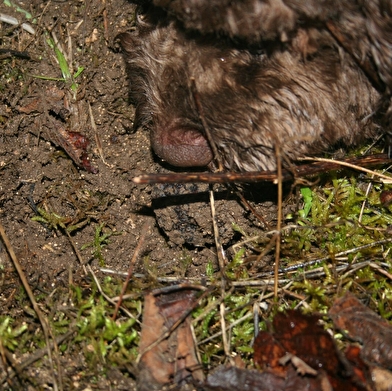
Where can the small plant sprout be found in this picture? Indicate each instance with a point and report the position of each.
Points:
(8, 335)
(101, 239)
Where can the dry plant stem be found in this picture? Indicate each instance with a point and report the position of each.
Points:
(59, 46)
(279, 217)
(237, 246)
(211, 306)
(90, 270)
(107, 298)
(259, 283)
(70, 51)
(219, 249)
(295, 296)
(206, 128)
(256, 318)
(349, 165)
(266, 250)
(341, 254)
(320, 271)
(246, 316)
(242, 283)
(195, 343)
(348, 269)
(77, 253)
(41, 15)
(132, 265)
(380, 270)
(226, 346)
(32, 358)
(42, 319)
(310, 274)
(369, 186)
(221, 261)
(252, 209)
(105, 22)
(238, 321)
(316, 168)
(372, 265)
(256, 310)
(96, 136)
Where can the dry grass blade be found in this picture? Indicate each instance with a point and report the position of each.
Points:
(90, 270)
(42, 319)
(96, 135)
(279, 217)
(105, 296)
(349, 165)
(221, 260)
(18, 367)
(337, 255)
(131, 266)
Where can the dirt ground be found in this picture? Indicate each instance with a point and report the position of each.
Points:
(68, 153)
(35, 171)
(94, 191)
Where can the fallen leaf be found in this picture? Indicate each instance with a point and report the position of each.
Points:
(364, 325)
(316, 363)
(166, 344)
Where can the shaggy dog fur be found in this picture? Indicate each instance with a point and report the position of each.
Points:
(293, 76)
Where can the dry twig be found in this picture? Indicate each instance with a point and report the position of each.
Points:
(44, 324)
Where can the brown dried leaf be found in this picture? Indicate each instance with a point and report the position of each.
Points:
(75, 145)
(301, 338)
(362, 324)
(167, 355)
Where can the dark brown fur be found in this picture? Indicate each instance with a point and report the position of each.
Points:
(288, 77)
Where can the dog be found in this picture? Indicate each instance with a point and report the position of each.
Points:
(239, 82)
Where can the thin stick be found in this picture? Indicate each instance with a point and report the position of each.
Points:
(246, 316)
(173, 280)
(380, 270)
(219, 248)
(32, 358)
(77, 253)
(44, 324)
(341, 254)
(364, 203)
(279, 217)
(349, 165)
(96, 135)
(90, 270)
(221, 260)
(131, 266)
(106, 297)
(319, 166)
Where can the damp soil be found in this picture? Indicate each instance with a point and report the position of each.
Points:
(68, 153)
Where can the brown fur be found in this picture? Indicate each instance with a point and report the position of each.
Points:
(282, 79)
